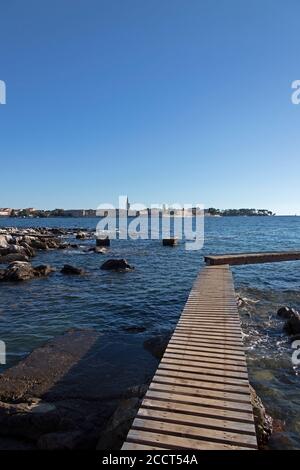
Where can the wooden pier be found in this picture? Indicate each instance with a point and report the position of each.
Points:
(199, 397)
(252, 258)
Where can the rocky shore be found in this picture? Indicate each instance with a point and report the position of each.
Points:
(19, 246)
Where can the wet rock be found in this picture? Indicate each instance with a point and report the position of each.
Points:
(114, 434)
(49, 398)
(170, 241)
(117, 265)
(286, 312)
(292, 325)
(81, 235)
(38, 244)
(43, 270)
(12, 257)
(34, 376)
(263, 422)
(18, 420)
(157, 345)
(29, 251)
(103, 241)
(240, 301)
(23, 271)
(68, 269)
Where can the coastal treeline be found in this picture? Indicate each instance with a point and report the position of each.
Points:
(238, 212)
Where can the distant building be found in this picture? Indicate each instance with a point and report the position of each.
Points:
(5, 212)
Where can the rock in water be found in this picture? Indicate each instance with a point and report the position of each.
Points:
(81, 235)
(114, 434)
(117, 265)
(169, 241)
(292, 326)
(23, 271)
(157, 345)
(286, 312)
(263, 422)
(103, 241)
(68, 269)
(12, 257)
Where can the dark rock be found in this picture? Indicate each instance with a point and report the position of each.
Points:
(292, 325)
(34, 376)
(263, 422)
(117, 265)
(58, 231)
(286, 312)
(81, 235)
(68, 269)
(60, 440)
(23, 271)
(43, 270)
(102, 241)
(19, 420)
(28, 249)
(53, 243)
(157, 345)
(114, 434)
(38, 244)
(169, 241)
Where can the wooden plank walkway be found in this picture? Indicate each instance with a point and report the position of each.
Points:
(199, 397)
(252, 258)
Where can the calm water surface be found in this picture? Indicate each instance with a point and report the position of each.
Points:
(152, 296)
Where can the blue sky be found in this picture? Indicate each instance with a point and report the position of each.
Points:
(163, 100)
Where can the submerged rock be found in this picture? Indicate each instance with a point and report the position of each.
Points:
(114, 434)
(23, 271)
(292, 325)
(286, 312)
(68, 269)
(117, 265)
(263, 421)
(157, 345)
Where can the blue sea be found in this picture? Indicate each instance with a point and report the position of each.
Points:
(152, 296)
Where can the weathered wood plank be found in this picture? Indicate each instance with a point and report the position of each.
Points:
(252, 258)
(171, 425)
(199, 397)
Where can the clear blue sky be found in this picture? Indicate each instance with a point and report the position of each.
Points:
(164, 100)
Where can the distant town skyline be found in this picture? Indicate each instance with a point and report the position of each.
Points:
(169, 101)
